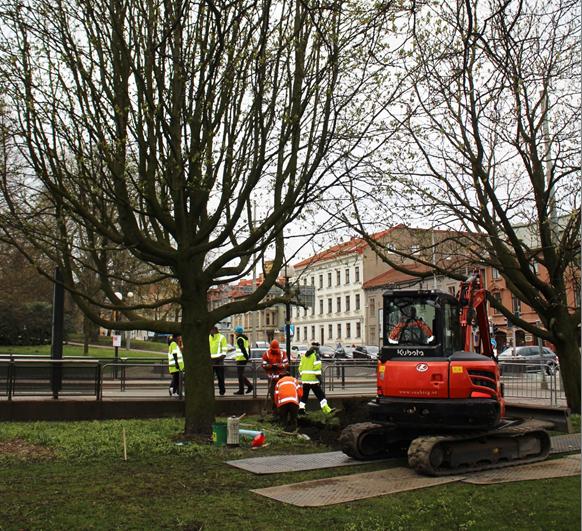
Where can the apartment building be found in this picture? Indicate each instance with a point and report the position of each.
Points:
(338, 275)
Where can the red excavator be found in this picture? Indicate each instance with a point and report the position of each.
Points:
(439, 390)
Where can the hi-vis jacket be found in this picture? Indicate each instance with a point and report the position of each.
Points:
(218, 346)
(275, 362)
(175, 349)
(287, 391)
(239, 353)
(310, 368)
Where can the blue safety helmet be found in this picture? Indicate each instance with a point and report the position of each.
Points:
(239, 330)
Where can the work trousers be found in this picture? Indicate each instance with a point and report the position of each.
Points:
(288, 415)
(316, 386)
(175, 384)
(218, 368)
(242, 379)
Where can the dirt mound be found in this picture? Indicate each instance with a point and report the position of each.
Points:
(25, 451)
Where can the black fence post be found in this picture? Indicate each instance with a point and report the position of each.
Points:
(57, 332)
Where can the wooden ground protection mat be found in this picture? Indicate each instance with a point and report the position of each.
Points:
(553, 468)
(343, 489)
(354, 487)
(276, 464)
(565, 443)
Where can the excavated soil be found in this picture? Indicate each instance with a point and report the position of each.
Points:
(25, 451)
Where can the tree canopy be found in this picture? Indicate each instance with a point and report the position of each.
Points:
(145, 132)
(488, 146)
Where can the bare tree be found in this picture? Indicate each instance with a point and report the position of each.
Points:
(151, 128)
(489, 145)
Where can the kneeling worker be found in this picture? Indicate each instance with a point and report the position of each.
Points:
(310, 372)
(286, 396)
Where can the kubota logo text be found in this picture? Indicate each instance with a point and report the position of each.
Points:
(407, 352)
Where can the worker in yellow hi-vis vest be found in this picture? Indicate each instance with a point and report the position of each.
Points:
(218, 348)
(175, 362)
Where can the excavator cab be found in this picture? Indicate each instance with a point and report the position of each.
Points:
(420, 324)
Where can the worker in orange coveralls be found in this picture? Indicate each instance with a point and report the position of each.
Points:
(411, 329)
(288, 391)
(275, 363)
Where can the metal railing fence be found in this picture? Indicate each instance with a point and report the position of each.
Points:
(26, 376)
(522, 379)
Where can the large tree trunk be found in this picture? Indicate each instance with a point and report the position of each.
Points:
(565, 333)
(199, 380)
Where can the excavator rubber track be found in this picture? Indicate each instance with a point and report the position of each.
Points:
(514, 443)
(367, 441)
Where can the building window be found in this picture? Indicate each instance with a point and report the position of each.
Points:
(330, 331)
(338, 304)
(339, 330)
(372, 307)
(304, 312)
(267, 318)
(329, 309)
(452, 290)
(348, 330)
(313, 333)
(516, 305)
(357, 273)
(298, 334)
(313, 281)
(373, 337)
(357, 301)
(313, 310)
(305, 281)
(347, 303)
(329, 280)
(320, 281)
(338, 278)
(495, 273)
(305, 333)
(497, 297)
(321, 306)
(358, 329)
(347, 276)
(414, 249)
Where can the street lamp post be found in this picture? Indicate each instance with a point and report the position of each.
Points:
(119, 295)
(287, 288)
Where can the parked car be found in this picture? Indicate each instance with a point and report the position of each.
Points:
(326, 353)
(365, 352)
(344, 353)
(297, 350)
(261, 344)
(257, 354)
(529, 357)
(372, 351)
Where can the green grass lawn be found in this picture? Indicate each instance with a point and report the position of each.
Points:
(73, 476)
(105, 351)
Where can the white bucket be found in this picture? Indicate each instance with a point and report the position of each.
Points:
(232, 431)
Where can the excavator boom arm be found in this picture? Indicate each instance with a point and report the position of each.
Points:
(472, 298)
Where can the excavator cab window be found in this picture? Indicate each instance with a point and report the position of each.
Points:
(411, 322)
(420, 324)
